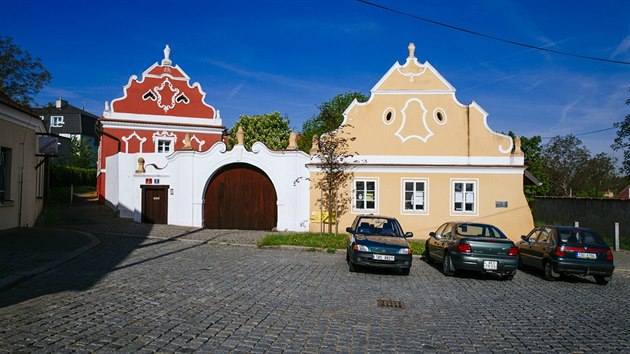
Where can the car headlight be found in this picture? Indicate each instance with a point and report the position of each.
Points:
(403, 251)
(363, 248)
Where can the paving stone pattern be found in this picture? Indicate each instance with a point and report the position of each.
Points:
(180, 291)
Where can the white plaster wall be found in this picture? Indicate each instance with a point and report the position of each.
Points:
(187, 174)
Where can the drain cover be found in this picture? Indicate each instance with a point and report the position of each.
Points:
(390, 303)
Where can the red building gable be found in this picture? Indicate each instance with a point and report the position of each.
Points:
(160, 113)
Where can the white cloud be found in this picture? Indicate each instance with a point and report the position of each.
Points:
(622, 48)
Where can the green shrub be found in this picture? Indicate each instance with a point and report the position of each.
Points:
(63, 176)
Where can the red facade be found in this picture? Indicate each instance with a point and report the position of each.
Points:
(158, 113)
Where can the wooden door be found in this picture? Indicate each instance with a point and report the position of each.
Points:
(240, 196)
(155, 204)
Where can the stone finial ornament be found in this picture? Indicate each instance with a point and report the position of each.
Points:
(292, 141)
(187, 145)
(106, 106)
(140, 165)
(167, 54)
(412, 49)
(315, 145)
(517, 146)
(240, 136)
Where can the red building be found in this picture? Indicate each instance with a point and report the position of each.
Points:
(160, 113)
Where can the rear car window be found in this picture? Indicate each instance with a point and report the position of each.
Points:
(579, 236)
(479, 230)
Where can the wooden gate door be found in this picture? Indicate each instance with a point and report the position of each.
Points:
(240, 196)
(155, 204)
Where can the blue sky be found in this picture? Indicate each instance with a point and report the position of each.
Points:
(289, 56)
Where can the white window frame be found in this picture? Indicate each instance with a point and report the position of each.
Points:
(171, 144)
(424, 196)
(5, 170)
(56, 121)
(364, 210)
(462, 197)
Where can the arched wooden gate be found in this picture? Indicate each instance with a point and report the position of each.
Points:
(240, 196)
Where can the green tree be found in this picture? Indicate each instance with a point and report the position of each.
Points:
(563, 157)
(597, 176)
(270, 129)
(21, 76)
(622, 141)
(532, 150)
(329, 118)
(81, 154)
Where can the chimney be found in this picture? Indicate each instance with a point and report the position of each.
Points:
(60, 103)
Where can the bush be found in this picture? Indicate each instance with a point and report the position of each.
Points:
(63, 176)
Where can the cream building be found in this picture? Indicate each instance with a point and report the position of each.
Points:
(425, 158)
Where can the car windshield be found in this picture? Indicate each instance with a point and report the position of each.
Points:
(479, 230)
(577, 236)
(370, 226)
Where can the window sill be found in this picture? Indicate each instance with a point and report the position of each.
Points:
(7, 203)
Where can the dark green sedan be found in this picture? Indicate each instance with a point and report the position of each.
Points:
(472, 246)
(561, 250)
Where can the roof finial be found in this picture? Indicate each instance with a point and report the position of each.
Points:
(412, 48)
(167, 53)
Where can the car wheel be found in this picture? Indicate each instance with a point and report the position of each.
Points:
(427, 254)
(548, 271)
(405, 271)
(447, 268)
(601, 280)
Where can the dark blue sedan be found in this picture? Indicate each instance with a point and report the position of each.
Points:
(378, 241)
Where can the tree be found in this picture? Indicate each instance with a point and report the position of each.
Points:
(563, 156)
(21, 76)
(329, 118)
(270, 129)
(82, 155)
(597, 176)
(622, 141)
(334, 160)
(532, 151)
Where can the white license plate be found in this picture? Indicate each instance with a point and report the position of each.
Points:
(382, 257)
(490, 265)
(586, 255)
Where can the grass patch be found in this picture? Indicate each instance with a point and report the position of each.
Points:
(417, 246)
(329, 242)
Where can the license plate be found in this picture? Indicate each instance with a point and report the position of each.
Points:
(382, 257)
(586, 255)
(490, 265)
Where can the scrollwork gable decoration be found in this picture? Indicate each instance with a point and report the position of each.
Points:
(199, 142)
(126, 139)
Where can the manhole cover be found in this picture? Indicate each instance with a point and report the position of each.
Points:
(390, 303)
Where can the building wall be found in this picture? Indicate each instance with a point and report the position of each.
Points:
(18, 132)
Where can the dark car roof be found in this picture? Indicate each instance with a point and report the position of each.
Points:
(565, 227)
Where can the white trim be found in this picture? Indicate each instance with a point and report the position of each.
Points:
(154, 118)
(485, 124)
(127, 138)
(404, 121)
(472, 170)
(439, 110)
(353, 209)
(452, 211)
(413, 92)
(403, 211)
(164, 136)
(394, 160)
(154, 127)
(200, 142)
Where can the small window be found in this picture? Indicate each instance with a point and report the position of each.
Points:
(415, 196)
(5, 174)
(440, 116)
(365, 195)
(163, 146)
(56, 121)
(389, 116)
(464, 197)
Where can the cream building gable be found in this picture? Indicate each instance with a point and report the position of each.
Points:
(413, 113)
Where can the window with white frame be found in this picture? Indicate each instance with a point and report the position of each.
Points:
(415, 196)
(365, 195)
(163, 146)
(464, 197)
(5, 174)
(56, 121)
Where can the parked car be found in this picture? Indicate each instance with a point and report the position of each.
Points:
(472, 246)
(378, 241)
(561, 250)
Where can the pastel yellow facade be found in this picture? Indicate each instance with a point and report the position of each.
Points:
(425, 158)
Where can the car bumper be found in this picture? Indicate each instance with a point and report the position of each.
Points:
(367, 259)
(583, 268)
(469, 262)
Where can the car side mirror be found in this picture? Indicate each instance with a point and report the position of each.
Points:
(524, 238)
(408, 234)
(349, 229)
(434, 235)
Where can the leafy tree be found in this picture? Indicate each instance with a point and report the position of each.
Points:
(334, 160)
(596, 176)
(270, 129)
(563, 157)
(82, 155)
(21, 76)
(622, 141)
(329, 118)
(532, 149)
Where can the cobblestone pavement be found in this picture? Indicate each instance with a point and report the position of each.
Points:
(183, 290)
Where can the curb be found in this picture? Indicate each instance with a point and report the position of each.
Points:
(12, 280)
